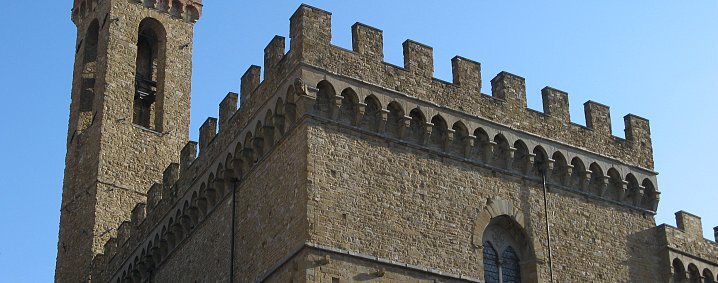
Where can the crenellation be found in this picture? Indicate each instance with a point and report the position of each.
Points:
(187, 155)
(368, 41)
(309, 27)
(638, 130)
(207, 132)
(110, 248)
(418, 59)
(124, 233)
(715, 234)
(598, 117)
(273, 53)
(466, 74)
(138, 214)
(227, 108)
(689, 223)
(154, 196)
(337, 124)
(555, 104)
(250, 82)
(510, 88)
(169, 178)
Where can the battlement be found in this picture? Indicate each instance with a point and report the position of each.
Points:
(310, 32)
(188, 10)
(407, 105)
(687, 252)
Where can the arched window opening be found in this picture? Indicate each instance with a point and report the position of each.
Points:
(348, 110)
(634, 192)
(258, 141)
(394, 120)
(483, 145)
(501, 152)
(505, 251)
(460, 144)
(248, 154)
(149, 3)
(192, 14)
(708, 276)
(521, 157)
(163, 5)
(324, 96)
(578, 175)
(615, 184)
(560, 169)
(149, 72)
(89, 72)
(268, 130)
(279, 118)
(679, 272)
(650, 196)
(439, 131)
(177, 9)
(416, 126)
(694, 276)
(598, 180)
(371, 113)
(541, 162)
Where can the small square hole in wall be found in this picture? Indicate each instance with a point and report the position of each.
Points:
(335, 280)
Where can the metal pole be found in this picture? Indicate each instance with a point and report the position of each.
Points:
(548, 229)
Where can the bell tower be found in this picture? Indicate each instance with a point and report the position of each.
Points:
(129, 117)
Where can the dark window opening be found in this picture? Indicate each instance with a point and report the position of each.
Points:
(148, 72)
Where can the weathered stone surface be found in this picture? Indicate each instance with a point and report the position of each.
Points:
(339, 167)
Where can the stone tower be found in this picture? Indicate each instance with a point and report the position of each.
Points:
(129, 117)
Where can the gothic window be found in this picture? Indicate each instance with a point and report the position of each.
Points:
(510, 270)
(148, 75)
(504, 246)
(491, 264)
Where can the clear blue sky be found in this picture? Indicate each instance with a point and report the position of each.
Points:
(656, 59)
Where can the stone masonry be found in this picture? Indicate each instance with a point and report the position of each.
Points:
(340, 167)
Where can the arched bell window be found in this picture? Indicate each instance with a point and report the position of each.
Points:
(89, 72)
(149, 73)
(89, 59)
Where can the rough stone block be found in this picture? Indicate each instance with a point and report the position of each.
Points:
(689, 223)
(227, 108)
(250, 82)
(555, 104)
(368, 41)
(418, 58)
(466, 73)
(511, 88)
(598, 117)
(273, 53)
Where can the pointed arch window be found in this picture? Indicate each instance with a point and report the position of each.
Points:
(504, 247)
(149, 73)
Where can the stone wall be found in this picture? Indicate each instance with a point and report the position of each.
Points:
(393, 201)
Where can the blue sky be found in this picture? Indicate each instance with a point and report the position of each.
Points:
(656, 59)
